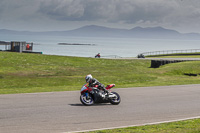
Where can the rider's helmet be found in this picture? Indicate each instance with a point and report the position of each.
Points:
(88, 78)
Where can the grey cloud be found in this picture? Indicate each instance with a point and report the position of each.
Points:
(110, 11)
(126, 11)
(155, 12)
(18, 9)
(169, 13)
(62, 9)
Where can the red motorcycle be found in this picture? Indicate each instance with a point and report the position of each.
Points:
(92, 95)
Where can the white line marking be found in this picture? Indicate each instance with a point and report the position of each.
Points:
(154, 123)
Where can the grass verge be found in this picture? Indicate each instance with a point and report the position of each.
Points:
(27, 73)
(188, 126)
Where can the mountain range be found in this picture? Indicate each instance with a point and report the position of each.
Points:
(100, 31)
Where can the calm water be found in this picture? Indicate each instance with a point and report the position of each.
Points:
(108, 47)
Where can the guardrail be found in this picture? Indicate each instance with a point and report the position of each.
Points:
(169, 52)
(111, 56)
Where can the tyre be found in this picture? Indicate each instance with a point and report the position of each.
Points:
(88, 101)
(115, 100)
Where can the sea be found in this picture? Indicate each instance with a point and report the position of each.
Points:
(107, 47)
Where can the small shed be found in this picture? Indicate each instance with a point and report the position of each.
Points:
(20, 46)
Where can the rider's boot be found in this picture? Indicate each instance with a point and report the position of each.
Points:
(106, 92)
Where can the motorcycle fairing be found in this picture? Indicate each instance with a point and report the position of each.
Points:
(110, 86)
(85, 88)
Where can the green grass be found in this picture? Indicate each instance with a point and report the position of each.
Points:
(26, 73)
(188, 126)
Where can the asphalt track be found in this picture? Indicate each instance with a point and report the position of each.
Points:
(58, 112)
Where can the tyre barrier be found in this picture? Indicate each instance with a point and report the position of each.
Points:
(158, 63)
(191, 74)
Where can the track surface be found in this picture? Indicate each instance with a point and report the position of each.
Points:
(62, 111)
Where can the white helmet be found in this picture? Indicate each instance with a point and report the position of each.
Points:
(88, 78)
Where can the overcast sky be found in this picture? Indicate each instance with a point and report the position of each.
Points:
(48, 15)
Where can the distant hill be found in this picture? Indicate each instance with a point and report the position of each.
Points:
(100, 31)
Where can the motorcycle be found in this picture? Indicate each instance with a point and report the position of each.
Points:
(98, 55)
(92, 95)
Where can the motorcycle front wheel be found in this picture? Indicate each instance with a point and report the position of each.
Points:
(86, 100)
(115, 100)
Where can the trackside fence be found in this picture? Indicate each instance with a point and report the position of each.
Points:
(165, 52)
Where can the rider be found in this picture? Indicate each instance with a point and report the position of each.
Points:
(92, 82)
(98, 55)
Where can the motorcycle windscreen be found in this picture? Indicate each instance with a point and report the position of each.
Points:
(83, 88)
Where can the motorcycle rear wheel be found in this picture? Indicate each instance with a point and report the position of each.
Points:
(116, 100)
(88, 101)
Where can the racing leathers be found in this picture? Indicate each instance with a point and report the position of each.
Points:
(94, 82)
